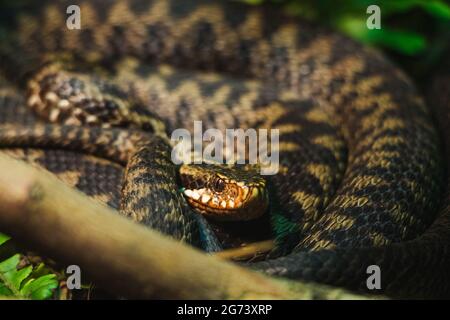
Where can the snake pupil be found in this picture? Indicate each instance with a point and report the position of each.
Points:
(219, 185)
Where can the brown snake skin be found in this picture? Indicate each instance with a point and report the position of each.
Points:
(361, 170)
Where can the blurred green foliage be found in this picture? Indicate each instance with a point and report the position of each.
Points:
(349, 16)
(414, 33)
(25, 282)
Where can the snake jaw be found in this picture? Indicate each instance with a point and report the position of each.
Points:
(220, 208)
(222, 197)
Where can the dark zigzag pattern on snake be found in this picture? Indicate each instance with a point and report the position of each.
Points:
(381, 210)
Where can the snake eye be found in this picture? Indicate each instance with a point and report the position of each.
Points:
(218, 185)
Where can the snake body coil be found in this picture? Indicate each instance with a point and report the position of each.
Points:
(361, 173)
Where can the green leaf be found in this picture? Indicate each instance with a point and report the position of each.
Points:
(17, 276)
(40, 288)
(25, 282)
(9, 264)
(4, 291)
(40, 270)
(11, 281)
(3, 238)
(8, 270)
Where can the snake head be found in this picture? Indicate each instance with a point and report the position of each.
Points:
(224, 193)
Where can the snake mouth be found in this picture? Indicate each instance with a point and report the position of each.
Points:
(249, 204)
(226, 194)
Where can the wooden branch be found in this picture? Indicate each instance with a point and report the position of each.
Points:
(251, 250)
(123, 257)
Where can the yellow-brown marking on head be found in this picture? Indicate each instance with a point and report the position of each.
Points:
(224, 193)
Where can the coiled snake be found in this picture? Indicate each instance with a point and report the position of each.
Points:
(360, 176)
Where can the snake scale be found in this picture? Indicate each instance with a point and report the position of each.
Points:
(361, 176)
